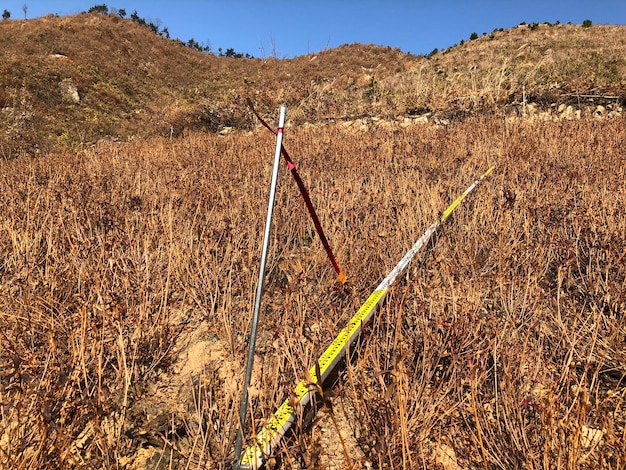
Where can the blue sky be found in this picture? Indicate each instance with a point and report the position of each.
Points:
(296, 27)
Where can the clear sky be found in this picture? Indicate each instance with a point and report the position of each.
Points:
(287, 28)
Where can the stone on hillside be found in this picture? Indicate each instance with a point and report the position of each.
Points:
(544, 116)
(568, 113)
(69, 91)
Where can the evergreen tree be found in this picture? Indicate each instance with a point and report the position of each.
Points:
(102, 9)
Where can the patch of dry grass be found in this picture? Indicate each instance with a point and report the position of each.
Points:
(134, 83)
(555, 64)
(503, 345)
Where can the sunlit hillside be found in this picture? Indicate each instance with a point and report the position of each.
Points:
(74, 80)
(134, 182)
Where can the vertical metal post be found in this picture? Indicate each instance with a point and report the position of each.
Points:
(259, 291)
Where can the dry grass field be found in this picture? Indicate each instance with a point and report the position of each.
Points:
(129, 260)
(128, 273)
(71, 81)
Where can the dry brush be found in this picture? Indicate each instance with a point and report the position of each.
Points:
(502, 348)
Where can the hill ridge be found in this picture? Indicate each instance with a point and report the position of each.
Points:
(74, 79)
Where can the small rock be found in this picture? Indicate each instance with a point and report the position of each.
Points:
(568, 113)
(69, 91)
(590, 437)
(446, 457)
(544, 116)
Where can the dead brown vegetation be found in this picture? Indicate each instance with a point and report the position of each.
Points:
(502, 348)
(71, 81)
(128, 269)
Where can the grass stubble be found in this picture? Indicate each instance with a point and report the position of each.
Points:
(503, 346)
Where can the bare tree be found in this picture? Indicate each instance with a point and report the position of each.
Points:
(25, 10)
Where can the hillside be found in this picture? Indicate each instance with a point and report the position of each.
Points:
(77, 79)
(129, 260)
(72, 80)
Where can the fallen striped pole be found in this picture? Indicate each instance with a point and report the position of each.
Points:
(254, 457)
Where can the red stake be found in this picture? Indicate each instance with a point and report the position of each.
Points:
(307, 200)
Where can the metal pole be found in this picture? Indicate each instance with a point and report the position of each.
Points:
(259, 291)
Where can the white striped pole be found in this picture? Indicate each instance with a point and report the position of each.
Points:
(270, 435)
(259, 292)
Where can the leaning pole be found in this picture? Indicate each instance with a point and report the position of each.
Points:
(268, 438)
(259, 291)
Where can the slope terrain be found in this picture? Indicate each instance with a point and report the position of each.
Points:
(73, 80)
(130, 246)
